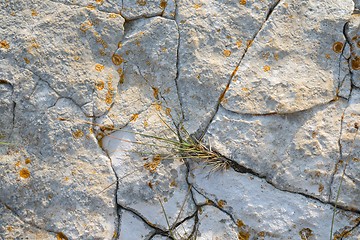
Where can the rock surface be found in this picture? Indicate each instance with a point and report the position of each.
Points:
(112, 113)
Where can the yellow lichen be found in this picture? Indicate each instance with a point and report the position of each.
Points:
(141, 2)
(240, 223)
(90, 7)
(197, 6)
(155, 92)
(168, 111)
(163, 4)
(78, 134)
(34, 13)
(99, 1)
(152, 166)
(338, 47)
(117, 59)
(27, 161)
(134, 117)
(113, 15)
(227, 53)
(243, 235)
(321, 188)
(100, 85)
(221, 203)
(266, 68)
(239, 43)
(27, 61)
(146, 124)
(61, 236)
(355, 63)
(305, 233)
(99, 67)
(24, 173)
(4, 44)
(242, 2)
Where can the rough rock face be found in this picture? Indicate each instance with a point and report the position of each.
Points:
(169, 119)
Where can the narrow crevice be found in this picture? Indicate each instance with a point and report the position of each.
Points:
(201, 132)
(244, 170)
(149, 224)
(26, 222)
(178, 59)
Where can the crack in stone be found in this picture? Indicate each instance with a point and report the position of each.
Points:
(178, 59)
(201, 133)
(29, 223)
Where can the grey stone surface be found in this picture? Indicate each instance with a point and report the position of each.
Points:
(95, 97)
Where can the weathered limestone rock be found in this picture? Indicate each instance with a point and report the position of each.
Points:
(214, 35)
(133, 228)
(151, 178)
(350, 157)
(134, 9)
(293, 63)
(297, 152)
(95, 96)
(260, 210)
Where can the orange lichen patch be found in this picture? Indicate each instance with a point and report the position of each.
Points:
(173, 183)
(99, 1)
(221, 203)
(356, 159)
(358, 44)
(78, 134)
(66, 178)
(17, 164)
(9, 228)
(327, 56)
(102, 52)
(223, 93)
(27, 161)
(115, 234)
(86, 26)
(157, 106)
(99, 67)
(117, 59)
(227, 53)
(249, 43)
(141, 2)
(239, 43)
(34, 13)
(113, 15)
(338, 47)
(276, 56)
(100, 85)
(168, 111)
(155, 92)
(242, 2)
(314, 134)
(240, 223)
(90, 7)
(197, 5)
(24, 173)
(355, 63)
(76, 58)
(321, 188)
(120, 45)
(146, 124)
(266, 68)
(27, 61)
(224, 100)
(305, 233)
(152, 166)
(4, 44)
(243, 235)
(61, 236)
(108, 98)
(245, 89)
(163, 4)
(134, 117)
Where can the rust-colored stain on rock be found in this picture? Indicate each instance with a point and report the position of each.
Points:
(4, 44)
(117, 59)
(24, 173)
(338, 47)
(355, 63)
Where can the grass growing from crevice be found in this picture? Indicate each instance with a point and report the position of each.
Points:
(342, 179)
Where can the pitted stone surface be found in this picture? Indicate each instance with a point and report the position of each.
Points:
(92, 93)
(281, 73)
(250, 201)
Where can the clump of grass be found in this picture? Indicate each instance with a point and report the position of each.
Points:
(186, 147)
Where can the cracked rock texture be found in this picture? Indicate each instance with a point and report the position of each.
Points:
(101, 100)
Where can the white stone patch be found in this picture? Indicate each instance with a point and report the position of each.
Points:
(132, 227)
